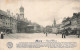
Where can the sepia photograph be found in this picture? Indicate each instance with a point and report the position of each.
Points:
(41, 21)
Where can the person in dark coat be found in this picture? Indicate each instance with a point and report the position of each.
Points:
(46, 33)
(78, 33)
(2, 35)
(64, 33)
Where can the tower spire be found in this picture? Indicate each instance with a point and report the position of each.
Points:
(54, 22)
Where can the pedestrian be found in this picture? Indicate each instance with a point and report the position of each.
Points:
(56, 34)
(78, 33)
(64, 33)
(2, 35)
(46, 33)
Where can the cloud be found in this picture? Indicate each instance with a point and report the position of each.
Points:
(43, 12)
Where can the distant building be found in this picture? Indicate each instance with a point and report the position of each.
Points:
(54, 23)
(37, 28)
(49, 29)
(54, 26)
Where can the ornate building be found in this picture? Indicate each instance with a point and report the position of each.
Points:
(54, 27)
(23, 25)
(8, 23)
(72, 24)
(21, 13)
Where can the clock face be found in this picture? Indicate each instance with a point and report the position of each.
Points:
(21, 9)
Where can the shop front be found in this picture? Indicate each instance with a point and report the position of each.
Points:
(5, 29)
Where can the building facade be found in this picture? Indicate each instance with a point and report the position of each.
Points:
(7, 23)
(72, 24)
(37, 28)
(24, 25)
(54, 27)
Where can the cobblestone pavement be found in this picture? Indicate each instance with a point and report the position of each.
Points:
(35, 35)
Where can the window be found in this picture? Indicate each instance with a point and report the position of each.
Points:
(6, 23)
(0, 17)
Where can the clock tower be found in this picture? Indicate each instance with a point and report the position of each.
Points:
(21, 13)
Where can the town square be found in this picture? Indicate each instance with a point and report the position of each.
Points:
(34, 19)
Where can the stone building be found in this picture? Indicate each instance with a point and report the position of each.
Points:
(13, 24)
(66, 23)
(72, 23)
(75, 21)
(7, 22)
(37, 28)
(21, 21)
(23, 25)
(48, 29)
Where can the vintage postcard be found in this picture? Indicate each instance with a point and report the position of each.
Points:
(39, 24)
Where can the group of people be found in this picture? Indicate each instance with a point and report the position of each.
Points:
(2, 35)
(67, 32)
(64, 34)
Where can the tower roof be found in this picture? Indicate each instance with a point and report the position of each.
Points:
(21, 7)
(54, 23)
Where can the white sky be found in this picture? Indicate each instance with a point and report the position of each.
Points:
(43, 12)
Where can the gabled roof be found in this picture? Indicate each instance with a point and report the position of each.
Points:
(67, 19)
(3, 13)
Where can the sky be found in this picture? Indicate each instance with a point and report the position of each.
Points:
(43, 12)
